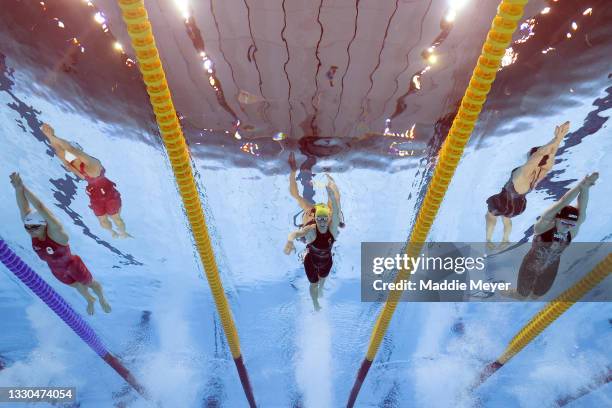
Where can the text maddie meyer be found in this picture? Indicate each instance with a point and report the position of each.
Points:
(457, 264)
(429, 285)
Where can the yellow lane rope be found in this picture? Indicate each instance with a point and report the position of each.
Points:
(509, 12)
(498, 39)
(556, 308)
(139, 29)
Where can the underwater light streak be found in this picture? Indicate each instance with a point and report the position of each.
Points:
(451, 16)
(183, 6)
(458, 4)
(528, 26)
(99, 17)
(509, 57)
(394, 150)
(408, 134)
(251, 148)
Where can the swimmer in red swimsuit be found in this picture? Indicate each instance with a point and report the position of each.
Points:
(104, 199)
(320, 238)
(511, 201)
(50, 242)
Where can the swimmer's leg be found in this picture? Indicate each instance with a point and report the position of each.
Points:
(97, 288)
(84, 291)
(491, 221)
(321, 283)
(106, 224)
(314, 294)
(507, 229)
(120, 225)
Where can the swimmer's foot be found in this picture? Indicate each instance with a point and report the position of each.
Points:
(504, 244)
(114, 234)
(490, 245)
(317, 306)
(90, 307)
(124, 234)
(105, 306)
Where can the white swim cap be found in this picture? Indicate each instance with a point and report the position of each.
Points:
(34, 218)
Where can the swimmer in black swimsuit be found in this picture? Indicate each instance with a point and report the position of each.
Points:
(553, 233)
(511, 201)
(320, 238)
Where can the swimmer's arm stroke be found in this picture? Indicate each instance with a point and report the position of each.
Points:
(335, 219)
(294, 235)
(583, 197)
(55, 229)
(61, 146)
(547, 219)
(332, 184)
(548, 149)
(22, 201)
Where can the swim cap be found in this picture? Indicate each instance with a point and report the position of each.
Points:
(321, 210)
(568, 213)
(34, 218)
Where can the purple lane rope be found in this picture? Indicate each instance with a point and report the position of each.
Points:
(56, 303)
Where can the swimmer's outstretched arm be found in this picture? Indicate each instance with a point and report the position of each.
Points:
(583, 197)
(335, 219)
(62, 146)
(293, 187)
(560, 132)
(549, 149)
(22, 202)
(54, 226)
(548, 217)
(334, 186)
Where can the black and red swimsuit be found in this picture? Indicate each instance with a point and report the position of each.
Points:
(541, 264)
(318, 261)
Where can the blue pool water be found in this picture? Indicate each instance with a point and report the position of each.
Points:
(164, 325)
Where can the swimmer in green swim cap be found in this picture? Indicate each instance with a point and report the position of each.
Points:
(320, 237)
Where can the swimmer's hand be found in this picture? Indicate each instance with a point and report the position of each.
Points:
(331, 184)
(289, 247)
(16, 181)
(47, 131)
(590, 179)
(562, 130)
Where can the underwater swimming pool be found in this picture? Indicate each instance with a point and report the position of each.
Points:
(252, 82)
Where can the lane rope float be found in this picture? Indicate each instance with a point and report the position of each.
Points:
(64, 311)
(139, 29)
(505, 22)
